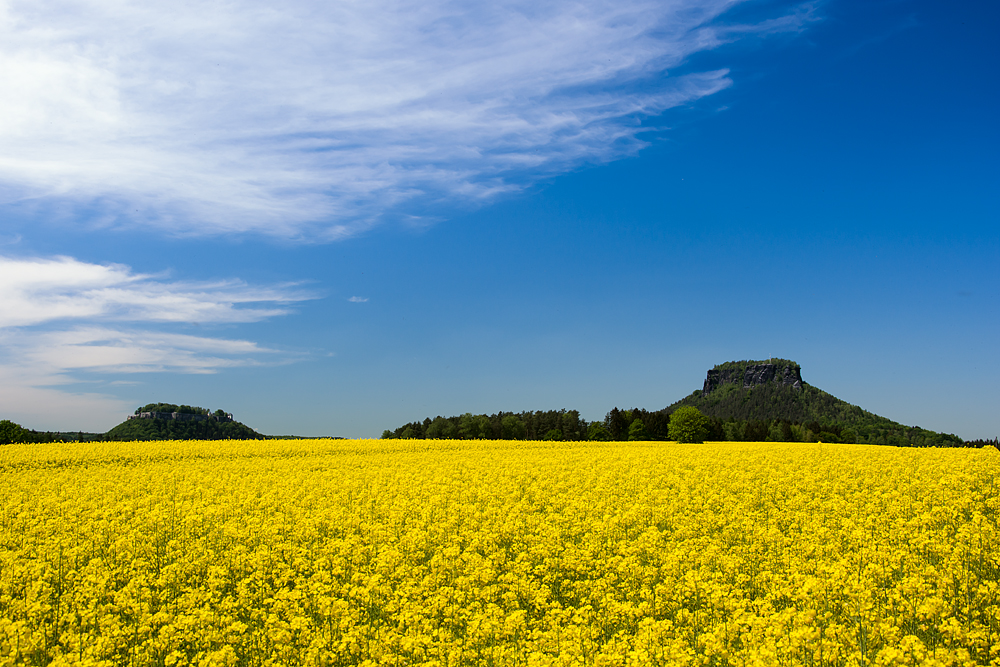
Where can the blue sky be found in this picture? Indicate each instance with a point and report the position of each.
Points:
(334, 218)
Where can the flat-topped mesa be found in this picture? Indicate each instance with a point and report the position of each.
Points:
(752, 374)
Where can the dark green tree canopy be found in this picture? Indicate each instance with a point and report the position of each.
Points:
(597, 431)
(182, 409)
(687, 424)
(169, 429)
(637, 431)
(11, 433)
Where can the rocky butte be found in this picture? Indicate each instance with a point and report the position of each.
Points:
(753, 375)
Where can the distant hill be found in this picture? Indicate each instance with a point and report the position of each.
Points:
(773, 390)
(744, 400)
(166, 421)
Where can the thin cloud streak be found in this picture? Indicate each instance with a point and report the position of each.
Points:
(51, 355)
(38, 290)
(319, 120)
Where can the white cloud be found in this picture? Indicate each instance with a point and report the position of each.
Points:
(106, 350)
(315, 119)
(358, 299)
(40, 372)
(64, 321)
(38, 290)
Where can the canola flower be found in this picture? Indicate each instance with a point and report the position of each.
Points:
(454, 553)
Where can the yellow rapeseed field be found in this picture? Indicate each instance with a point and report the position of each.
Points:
(327, 552)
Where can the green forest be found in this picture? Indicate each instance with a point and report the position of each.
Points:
(640, 424)
(11, 433)
(632, 424)
(771, 411)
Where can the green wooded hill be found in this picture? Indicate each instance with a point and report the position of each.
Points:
(743, 400)
(211, 426)
(764, 392)
(163, 429)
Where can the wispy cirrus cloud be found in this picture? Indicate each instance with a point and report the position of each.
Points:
(309, 119)
(39, 290)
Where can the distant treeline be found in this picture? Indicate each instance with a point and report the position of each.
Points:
(540, 425)
(640, 424)
(11, 433)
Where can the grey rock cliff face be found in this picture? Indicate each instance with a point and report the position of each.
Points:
(755, 374)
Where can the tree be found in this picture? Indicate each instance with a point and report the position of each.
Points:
(437, 428)
(571, 425)
(616, 423)
(598, 432)
(687, 424)
(484, 427)
(474, 427)
(756, 431)
(11, 432)
(468, 427)
(637, 431)
(512, 428)
(786, 432)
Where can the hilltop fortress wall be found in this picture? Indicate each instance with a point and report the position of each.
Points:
(181, 416)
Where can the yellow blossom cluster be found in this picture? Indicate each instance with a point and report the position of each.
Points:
(447, 553)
